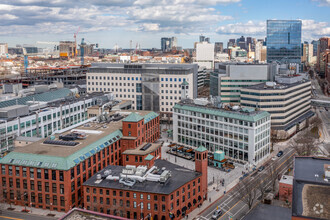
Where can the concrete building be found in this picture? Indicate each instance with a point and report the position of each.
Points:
(3, 48)
(218, 47)
(205, 54)
(155, 87)
(288, 101)
(241, 133)
(168, 43)
(49, 173)
(260, 52)
(285, 188)
(307, 53)
(164, 191)
(43, 114)
(322, 56)
(229, 78)
(311, 188)
(68, 49)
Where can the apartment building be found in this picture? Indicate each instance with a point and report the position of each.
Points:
(161, 191)
(241, 133)
(288, 101)
(42, 114)
(154, 87)
(49, 173)
(228, 79)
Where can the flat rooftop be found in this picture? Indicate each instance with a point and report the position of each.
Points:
(63, 156)
(311, 192)
(179, 177)
(264, 211)
(243, 113)
(139, 150)
(278, 86)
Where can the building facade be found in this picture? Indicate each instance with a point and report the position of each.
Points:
(153, 87)
(49, 173)
(242, 134)
(288, 102)
(121, 191)
(284, 41)
(3, 48)
(205, 54)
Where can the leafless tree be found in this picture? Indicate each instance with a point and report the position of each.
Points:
(305, 145)
(262, 184)
(316, 121)
(273, 174)
(247, 192)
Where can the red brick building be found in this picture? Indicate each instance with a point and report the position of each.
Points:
(285, 188)
(165, 191)
(49, 174)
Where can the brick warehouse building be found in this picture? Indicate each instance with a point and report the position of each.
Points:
(165, 191)
(49, 173)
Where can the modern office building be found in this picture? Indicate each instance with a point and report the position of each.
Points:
(311, 188)
(284, 41)
(168, 43)
(241, 133)
(218, 47)
(288, 100)
(205, 55)
(161, 191)
(307, 53)
(3, 48)
(155, 87)
(49, 173)
(228, 78)
(315, 44)
(42, 114)
(323, 56)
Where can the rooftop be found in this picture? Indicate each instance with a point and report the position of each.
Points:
(287, 179)
(277, 86)
(133, 118)
(245, 114)
(144, 148)
(310, 197)
(263, 211)
(77, 213)
(63, 155)
(179, 176)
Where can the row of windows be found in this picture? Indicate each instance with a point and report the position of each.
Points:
(277, 100)
(279, 93)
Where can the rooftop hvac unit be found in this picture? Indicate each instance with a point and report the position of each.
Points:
(201, 101)
(164, 176)
(270, 84)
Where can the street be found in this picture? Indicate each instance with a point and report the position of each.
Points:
(13, 215)
(234, 208)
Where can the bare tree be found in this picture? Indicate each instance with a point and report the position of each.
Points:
(316, 121)
(262, 185)
(273, 174)
(247, 192)
(305, 144)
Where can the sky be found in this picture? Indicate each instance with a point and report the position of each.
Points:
(144, 22)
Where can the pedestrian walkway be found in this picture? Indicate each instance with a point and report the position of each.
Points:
(35, 211)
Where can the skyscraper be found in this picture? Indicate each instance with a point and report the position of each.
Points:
(201, 38)
(315, 45)
(218, 47)
(284, 41)
(167, 43)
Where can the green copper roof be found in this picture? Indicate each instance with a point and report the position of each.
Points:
(201, 149)
(43, 97)
(149, 157)
(148, 117)
(244, 116)
(133, 117)
(185, 83)
(60, 163)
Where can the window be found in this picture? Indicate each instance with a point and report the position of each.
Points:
(54, 174)
(17, 171)
(54, 188)
(39, 173)
(46, 176)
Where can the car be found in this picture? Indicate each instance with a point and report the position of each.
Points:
(274, 158)
(261, 168)
(280, 153)
(216, 214)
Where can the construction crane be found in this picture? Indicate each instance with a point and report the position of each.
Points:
(74, 54)
(82, 45)
(26, 62)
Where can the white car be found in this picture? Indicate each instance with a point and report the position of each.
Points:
(274, 158)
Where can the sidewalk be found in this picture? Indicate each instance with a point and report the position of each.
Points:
(32, 210)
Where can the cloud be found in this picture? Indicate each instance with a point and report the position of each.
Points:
(310, 29)
(177, 16)
(323, 2)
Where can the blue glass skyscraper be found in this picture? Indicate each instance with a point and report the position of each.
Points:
(284, 41)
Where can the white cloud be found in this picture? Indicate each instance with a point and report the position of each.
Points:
(323, 2)
(310, 29)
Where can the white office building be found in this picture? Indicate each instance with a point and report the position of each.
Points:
(205, 54)
(241, 133)
(152, 87)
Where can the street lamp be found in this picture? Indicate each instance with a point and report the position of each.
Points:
(141, 214)
(50, 209)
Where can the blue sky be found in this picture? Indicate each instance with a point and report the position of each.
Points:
(110, 22)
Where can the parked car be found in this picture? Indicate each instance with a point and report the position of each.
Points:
(280, 153)
(216, 214)
(261, 168)
(274, 158)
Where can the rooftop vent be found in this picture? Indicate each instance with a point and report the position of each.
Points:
(63, 143)
(201, 101)
(271, 84)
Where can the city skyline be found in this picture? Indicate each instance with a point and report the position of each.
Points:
(146, 21)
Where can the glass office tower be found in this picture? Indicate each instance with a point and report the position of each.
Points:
(284, 41)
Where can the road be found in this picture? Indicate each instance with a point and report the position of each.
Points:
(235, 208)
(12, 215)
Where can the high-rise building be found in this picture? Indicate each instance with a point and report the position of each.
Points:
(3, 48)
(284, 41)
(67, 49)
(168, 43)
(205, 54)
(201, 38)
(218, 47)
(307, 52)
(315, 44)
(231, 43)
(322, 55)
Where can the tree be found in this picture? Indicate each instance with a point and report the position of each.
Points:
(273, 174)
(262, 184)
(305, 144)
(247, 192)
